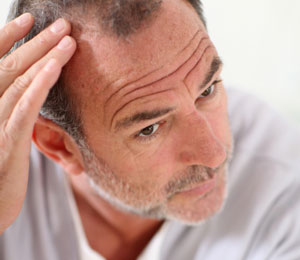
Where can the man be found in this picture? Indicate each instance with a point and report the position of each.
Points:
(138, 137)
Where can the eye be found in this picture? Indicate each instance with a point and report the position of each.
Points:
(210, 89)
(149, 130)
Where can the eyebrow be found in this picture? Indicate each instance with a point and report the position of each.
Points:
(156, 113)
(142, 116)
(214, 67)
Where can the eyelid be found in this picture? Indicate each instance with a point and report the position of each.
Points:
(146, 139)
(145, 123)
(217, 81)
(212, 95)
(213, 83)
(155, 129)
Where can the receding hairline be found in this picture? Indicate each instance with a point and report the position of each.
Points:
(59, 106)
(85, 18)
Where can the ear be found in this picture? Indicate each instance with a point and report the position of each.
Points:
(56, 144)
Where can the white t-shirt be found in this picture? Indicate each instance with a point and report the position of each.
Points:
(260, 219)
(87, 253)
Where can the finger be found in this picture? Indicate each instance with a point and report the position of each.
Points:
(20, 60)
(27, 110)
(62, 54)
(14, 31)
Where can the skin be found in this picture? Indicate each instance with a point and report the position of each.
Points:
(162, 66)
(126, 90)
(26, 77)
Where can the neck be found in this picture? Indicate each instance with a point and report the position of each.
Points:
(102, 220)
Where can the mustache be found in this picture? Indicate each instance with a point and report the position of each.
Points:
(194, 175)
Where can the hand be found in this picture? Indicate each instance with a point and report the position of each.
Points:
(26, 76)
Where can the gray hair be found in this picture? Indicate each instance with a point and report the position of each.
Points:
(119, 17)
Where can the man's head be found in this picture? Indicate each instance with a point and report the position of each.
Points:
(117, 17)
(152, 112)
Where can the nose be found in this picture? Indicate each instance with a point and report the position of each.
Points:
(199, 145)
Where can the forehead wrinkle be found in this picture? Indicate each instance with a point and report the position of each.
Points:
(195, 66)
(192, 59)
(147, 95)
(181, 67)
(197, 63)
(168, 75)
(189, 63)
(136, 82)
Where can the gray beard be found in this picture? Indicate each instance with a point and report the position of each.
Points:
(95, 167)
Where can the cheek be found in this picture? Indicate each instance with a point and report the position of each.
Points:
(156, 165)
(146, 168)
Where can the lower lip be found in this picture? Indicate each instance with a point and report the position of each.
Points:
(202, 189)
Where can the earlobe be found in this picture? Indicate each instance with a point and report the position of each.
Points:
(57, 145)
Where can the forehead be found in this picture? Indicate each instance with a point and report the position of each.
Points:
(103, 61)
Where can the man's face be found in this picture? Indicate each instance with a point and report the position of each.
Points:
(155, 116)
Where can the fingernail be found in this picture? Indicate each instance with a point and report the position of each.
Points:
(23, 20)
(50, 66)
(65, 43)
(58, 26)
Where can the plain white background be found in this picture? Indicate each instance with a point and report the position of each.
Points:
(259, 42)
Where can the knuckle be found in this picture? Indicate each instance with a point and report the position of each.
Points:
(6, 138)
(21, 83)
(25, 105)
(9, 64)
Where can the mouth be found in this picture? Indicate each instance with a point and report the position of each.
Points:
(208, 183)
(201, 189)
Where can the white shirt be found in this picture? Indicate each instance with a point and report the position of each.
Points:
(87, 253)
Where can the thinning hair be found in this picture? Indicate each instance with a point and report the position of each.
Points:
(117, 17)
